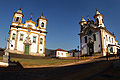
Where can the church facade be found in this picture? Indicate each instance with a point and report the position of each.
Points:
(95, 38)
(28, 38)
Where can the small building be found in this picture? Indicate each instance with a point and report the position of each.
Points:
(60, 53)
(74, 53)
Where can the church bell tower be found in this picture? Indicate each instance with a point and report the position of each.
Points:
(42, 22)
(82, 22)
(99, 19)
(17, 17)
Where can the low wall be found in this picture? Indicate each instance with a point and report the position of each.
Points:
(4, 64)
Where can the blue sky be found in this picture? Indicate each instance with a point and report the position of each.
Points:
(63, 18)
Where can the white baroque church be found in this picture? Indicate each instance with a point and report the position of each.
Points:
(95, 38)
(28, 38)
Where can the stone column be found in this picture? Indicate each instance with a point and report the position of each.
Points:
(102, 41)
(8, 42)
(81, 45)
(38, 43)
(44, 46)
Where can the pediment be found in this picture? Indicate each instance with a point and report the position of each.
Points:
(30, 24)
(90, 30)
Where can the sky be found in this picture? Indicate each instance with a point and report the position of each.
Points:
(63, 18)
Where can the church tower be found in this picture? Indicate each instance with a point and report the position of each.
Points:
(42, 22)
(99, 19)
(17, 17)
(82, 22)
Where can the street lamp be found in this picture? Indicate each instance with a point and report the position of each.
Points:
(78, 52)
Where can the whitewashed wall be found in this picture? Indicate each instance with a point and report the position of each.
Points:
(109, 41)
(84, 46)
(41, 46)
(97, 43)
(20, 45)
(60, 54)
(33, 47)
(12, 42)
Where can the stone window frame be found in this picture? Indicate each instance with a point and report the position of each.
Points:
(109, 39)
(94, 37)
(17, 19)
(58, 53)
(13, 36)
(106, 38)
(21, 36)
(34, 39)
(85, 39)
(42, 24)
(62, 54)
(41, 41)
(40, 49)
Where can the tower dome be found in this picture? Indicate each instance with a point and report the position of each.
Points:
(97, 14)
(82, 20)
(19, 11)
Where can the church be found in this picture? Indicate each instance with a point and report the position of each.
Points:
(28, 38)
(95, 38)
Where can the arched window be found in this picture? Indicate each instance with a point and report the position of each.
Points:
(41, 40)
(42, 24)
(97, 21)
(17, 19)
(13, 37)
(94, 37)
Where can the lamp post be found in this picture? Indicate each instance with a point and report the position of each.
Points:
(78, 52)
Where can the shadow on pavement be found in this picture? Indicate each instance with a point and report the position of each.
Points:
(74, 72)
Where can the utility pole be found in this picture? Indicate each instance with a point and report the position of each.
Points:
(78, 52)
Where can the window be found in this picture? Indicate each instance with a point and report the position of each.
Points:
(40, 49)
(42, 24)
(90, 32)
(29, 25)
(111, 49)
(11, 45)
(34, 39)
(17, 19)
(102, 21)
(112, 40)
(109, 39)
(106, 38)
(13, 37)
(62, 54)
(41, 40)
(94, 36)
(85, 39)
(66, 54)
(21, 37)
(58, 53)
(99, 45)
(97, 20)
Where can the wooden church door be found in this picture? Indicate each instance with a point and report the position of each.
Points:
(91, 49)
(26, 52)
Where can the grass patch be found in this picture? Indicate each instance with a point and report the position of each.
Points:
(42, 62)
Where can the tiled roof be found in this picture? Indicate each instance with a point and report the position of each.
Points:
(59, 49)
